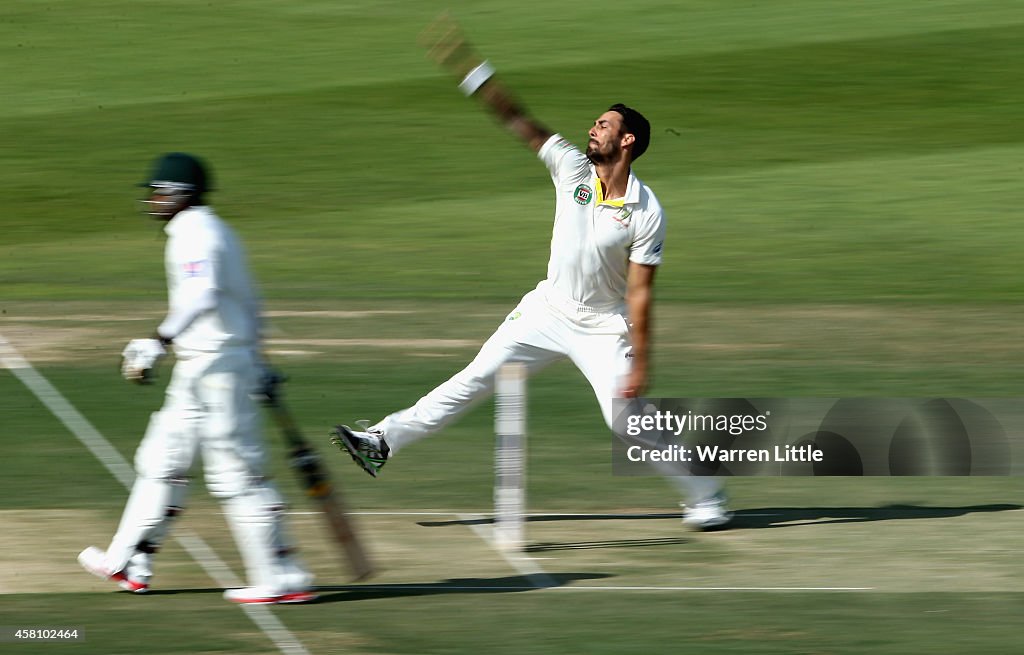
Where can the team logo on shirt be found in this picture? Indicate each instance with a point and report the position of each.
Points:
(583, 194)
(623, 218)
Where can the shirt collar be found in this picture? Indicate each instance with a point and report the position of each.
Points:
(632, 196)
(177, 222)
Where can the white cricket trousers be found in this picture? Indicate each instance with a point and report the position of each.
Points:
(208, 408)
(542, 329)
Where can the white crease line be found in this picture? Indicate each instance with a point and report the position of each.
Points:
(83, 318)
(606, 515)
(565, 588)
(635, 588)
(521, 562)
(116, 464)
(304, 513)
(373, 343)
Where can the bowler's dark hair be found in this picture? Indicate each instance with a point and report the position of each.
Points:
(637, 125)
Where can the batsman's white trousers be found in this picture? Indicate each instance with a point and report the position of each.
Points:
(208, 408)
(542, 329)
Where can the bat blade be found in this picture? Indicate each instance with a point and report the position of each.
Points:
(316, 483)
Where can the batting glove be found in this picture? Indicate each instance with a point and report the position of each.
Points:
(267, 383)
(139, 359)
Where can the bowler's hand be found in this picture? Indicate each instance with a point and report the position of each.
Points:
(447, 46)
(635, 384)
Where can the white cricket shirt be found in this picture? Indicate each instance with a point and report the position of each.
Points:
(203, 254)
(593, 238)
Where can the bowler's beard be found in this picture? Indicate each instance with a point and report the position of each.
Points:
(597, 157)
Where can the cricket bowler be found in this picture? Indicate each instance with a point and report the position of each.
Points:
(593, 307)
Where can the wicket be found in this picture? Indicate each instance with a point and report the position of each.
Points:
(510, 457)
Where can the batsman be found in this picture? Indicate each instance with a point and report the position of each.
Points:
(214, 325)
(594, 306)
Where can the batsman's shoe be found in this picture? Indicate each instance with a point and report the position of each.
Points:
(710, 514)
(368, 449)
(264, 596)
(94, 561)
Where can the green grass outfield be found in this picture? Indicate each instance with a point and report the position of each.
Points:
(843, 185)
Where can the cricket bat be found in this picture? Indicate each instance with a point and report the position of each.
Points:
(316, 483)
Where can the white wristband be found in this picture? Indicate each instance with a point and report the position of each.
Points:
(476, 78)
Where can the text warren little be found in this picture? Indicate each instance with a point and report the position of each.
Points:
(708, 454)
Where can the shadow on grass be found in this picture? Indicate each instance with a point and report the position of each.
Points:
(544, 547)
(763, 517)
(541, 518)
(174, 592)
(503, 585)
(787, 517)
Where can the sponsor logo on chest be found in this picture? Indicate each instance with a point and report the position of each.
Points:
(583, 195)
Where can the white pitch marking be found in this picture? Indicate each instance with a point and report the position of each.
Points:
(449, 513)
(83, 318)
(372, 343)
(283, 313)
(641, 588)
(595, 515)
(118, 467)
(606, 588)
(523, 563)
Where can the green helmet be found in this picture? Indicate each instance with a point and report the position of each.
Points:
(178, 181)
(180, 172)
